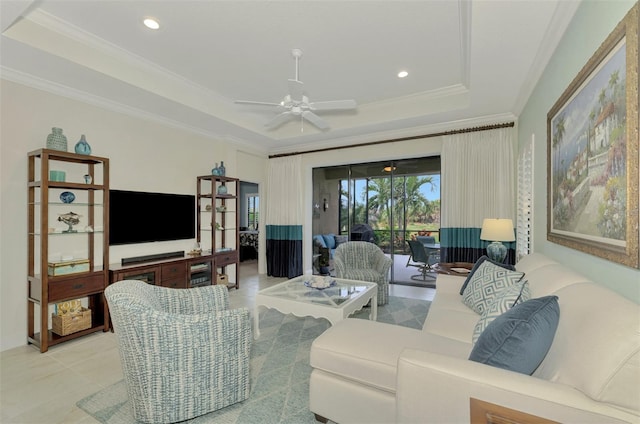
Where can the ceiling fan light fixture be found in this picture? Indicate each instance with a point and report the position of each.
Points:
(403, 74)
(151, 23)
(297, 104)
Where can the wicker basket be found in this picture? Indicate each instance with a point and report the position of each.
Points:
(67, 324)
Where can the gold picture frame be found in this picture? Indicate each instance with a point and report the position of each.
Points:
(592, 153)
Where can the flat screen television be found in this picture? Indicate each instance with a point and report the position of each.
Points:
(142, 217)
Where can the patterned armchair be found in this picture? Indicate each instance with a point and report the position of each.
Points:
(183, 352)
(364, 261)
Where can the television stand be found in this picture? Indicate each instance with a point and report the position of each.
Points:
(176, 272)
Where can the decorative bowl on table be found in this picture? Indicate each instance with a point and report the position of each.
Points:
(320, 283)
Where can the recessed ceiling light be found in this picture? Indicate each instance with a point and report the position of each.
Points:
(151, 23)
(402, 74)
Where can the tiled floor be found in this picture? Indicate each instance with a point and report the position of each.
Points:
(44, 388)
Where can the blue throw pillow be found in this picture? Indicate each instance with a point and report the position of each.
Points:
(330, 240)
(477, 264)
(341, 240)
(320, 241)
(519, 339)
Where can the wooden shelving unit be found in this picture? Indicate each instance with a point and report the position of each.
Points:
(47, 237)
(218, 223)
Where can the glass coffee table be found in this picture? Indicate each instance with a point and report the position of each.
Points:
(334, 303)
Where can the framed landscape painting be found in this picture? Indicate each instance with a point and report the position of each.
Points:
(592, 153)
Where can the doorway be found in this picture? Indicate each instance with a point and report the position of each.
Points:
(249, 230)
(398, 200)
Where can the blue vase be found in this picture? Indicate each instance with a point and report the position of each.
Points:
(215, 171)
(67, 197)
(82, 147)
(222, 170)
(222, 189)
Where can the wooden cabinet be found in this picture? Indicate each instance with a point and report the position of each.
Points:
(218, 223)
(180, 273)
(61, 186)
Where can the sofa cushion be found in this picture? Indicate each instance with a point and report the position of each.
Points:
(479, 262)
(486, 281)
(597, 345)
(519, 339)
(448, 316)
(330, 240)
(319, 240)
(506, 299)
(341, 239)
(368, 351)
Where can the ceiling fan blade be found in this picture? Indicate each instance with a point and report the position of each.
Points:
(315, 120)
(333, 105)
(296, 89)
(278, 120)
(250, 102)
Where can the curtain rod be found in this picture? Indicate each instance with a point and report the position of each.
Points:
(394, 140)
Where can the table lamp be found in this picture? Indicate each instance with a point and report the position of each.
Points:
(497, 230)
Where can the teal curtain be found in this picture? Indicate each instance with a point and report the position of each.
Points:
(464, 245)
(284, 250)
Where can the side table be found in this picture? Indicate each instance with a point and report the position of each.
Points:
(454, 268)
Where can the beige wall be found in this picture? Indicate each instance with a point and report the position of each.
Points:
(144, 155)
(591, 25)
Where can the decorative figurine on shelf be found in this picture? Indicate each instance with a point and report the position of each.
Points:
(82, 147)
(219, 171)
(88, 179)
(67, 197)
(56, 140)
(70, 219)
(222, 189)
(215, 171)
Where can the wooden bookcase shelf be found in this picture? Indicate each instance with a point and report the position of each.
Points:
(91, 237)
(218, 223)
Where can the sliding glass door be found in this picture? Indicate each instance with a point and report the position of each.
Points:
(394, 200)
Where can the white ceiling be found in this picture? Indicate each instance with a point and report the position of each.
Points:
(469, 62)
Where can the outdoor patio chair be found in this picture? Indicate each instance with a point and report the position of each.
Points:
(421, 260)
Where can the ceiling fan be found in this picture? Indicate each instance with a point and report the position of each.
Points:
(297, 104)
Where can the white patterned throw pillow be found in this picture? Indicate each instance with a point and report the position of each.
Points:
(485, 283)
(506, 299)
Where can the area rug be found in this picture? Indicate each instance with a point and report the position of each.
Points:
(279, 370)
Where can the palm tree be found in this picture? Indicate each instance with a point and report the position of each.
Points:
(558, 136)
(602, 98)
(415, 201)
(613, 79)
(379, 192)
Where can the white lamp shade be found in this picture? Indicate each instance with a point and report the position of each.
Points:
(494, 229)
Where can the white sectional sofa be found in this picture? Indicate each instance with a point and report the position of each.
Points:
(371, 372)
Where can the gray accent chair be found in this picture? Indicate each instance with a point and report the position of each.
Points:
(184, 353)
(364, 261)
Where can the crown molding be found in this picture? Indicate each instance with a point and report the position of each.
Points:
(395, 134)
(103, 103)
(72, 32)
